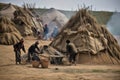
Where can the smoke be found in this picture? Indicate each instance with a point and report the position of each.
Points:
(113, 24)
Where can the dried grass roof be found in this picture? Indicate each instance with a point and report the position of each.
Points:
(8, 33)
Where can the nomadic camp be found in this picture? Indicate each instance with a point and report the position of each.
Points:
(94, 42)
(59, 43)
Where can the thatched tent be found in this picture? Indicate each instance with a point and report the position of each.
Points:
(53, 18)
(8, 11)
(8, 33)
(25, 21)
(94, 42)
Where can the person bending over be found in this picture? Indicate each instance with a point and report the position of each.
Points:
(33, 49)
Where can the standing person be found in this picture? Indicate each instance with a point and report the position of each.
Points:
(32, 50)
(46, 31)
(71, 51)
(17, 47)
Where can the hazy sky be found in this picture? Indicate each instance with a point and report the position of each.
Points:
(107, 5)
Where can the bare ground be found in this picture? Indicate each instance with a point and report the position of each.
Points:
(10, 71)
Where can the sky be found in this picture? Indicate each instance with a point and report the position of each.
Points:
(97, 5)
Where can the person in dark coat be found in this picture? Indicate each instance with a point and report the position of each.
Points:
(17, 49)
(32, 50)
(71, 51)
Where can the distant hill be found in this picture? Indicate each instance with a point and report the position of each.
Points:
(101, 16)
(68, 14)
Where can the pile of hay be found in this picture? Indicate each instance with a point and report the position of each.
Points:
(94, 42)
(8, 33)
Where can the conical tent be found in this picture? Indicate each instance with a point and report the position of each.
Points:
(25, 21)
(8, 33)
(53, 18)
(94, 42)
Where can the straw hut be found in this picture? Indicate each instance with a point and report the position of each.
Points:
(8, 33)
(25, 21)
(94, 42)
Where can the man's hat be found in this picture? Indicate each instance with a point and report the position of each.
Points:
(67, 41)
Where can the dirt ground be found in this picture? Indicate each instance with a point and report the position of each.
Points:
(10, 71)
